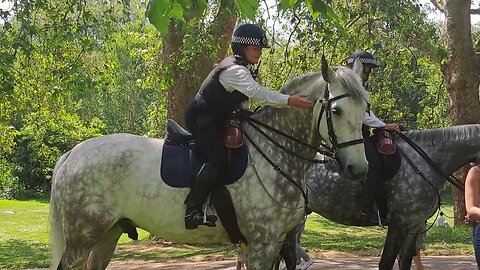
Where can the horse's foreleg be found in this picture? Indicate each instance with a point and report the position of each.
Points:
(406, 253)
(288, 251)
(408, 249)
(262, 260)
(102, 253)
(391, 248)
(261, 255)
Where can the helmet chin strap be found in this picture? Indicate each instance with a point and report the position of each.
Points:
(240, 60)
(254, 71)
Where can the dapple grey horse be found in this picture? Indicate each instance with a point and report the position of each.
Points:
(411, 198)
(104, 180)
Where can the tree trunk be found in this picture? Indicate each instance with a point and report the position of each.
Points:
(185, 81)
(461, 75)
(224, 26)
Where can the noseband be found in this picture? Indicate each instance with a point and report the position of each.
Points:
(327, 108)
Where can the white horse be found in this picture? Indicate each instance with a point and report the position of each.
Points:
(107, 179)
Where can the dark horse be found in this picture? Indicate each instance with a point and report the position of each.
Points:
(412, 199)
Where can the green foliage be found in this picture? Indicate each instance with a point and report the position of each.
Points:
(160, 12)
(88, 72)
(247, 8)
(9, 186)
(407, 88)
(44, 139)
(127, 81)
(74, 70)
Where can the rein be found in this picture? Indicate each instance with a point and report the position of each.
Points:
(279, 170)
(452, 179)
(420, 173)
(253, 122)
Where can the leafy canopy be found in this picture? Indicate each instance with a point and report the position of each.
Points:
(160, 12)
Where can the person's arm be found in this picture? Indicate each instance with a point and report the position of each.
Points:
(238, 77)
(372, 120)
(472, 194)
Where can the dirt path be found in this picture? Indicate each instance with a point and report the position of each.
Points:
(363, 263)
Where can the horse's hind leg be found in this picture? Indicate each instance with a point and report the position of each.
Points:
(102, 253)
(74, 257)
(81, 237)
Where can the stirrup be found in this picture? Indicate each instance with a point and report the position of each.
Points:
(381, 221)
(209, 220)
(196, 219)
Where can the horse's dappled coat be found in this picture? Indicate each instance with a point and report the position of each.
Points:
(412, 200)
(103, 180)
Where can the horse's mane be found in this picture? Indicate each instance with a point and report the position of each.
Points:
(444, 135)
(352, 83)
(348, 79)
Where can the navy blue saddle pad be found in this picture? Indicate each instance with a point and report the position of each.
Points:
(177, 171)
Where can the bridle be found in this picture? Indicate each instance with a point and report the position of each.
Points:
(328, 151)
(327, 108)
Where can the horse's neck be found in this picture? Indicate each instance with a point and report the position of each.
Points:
(450, 155)
(296, 123)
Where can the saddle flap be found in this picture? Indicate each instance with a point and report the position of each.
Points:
(179, 166)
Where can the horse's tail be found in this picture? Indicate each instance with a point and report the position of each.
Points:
(57, 239)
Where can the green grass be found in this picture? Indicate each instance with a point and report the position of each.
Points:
(24, 239)
(23, 234)
(322, 235)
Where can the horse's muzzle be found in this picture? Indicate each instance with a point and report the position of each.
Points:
(351, 170)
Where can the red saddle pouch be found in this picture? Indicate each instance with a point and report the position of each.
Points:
(234, 134)
(385, 144)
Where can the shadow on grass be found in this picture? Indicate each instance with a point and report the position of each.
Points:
(160, 253)
(17, 254)
(41, 198)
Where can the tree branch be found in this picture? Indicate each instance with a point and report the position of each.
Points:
(475, 11)
(439, 4)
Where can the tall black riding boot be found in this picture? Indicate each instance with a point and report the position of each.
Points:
(207, 177)
(367, 196)
(382, 205)
(370, 183)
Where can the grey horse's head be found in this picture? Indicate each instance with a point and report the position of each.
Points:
(346, 105)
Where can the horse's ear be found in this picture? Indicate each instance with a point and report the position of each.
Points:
(327, 73)
(358, 67)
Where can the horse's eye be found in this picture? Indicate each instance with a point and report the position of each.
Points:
(337, 111)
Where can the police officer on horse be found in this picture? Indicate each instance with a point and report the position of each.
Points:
(229, 84)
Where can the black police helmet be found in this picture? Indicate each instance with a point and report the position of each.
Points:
(248, 34)
(364, 57)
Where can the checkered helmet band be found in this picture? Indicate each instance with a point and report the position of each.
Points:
(363, 61)
(249, 41)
